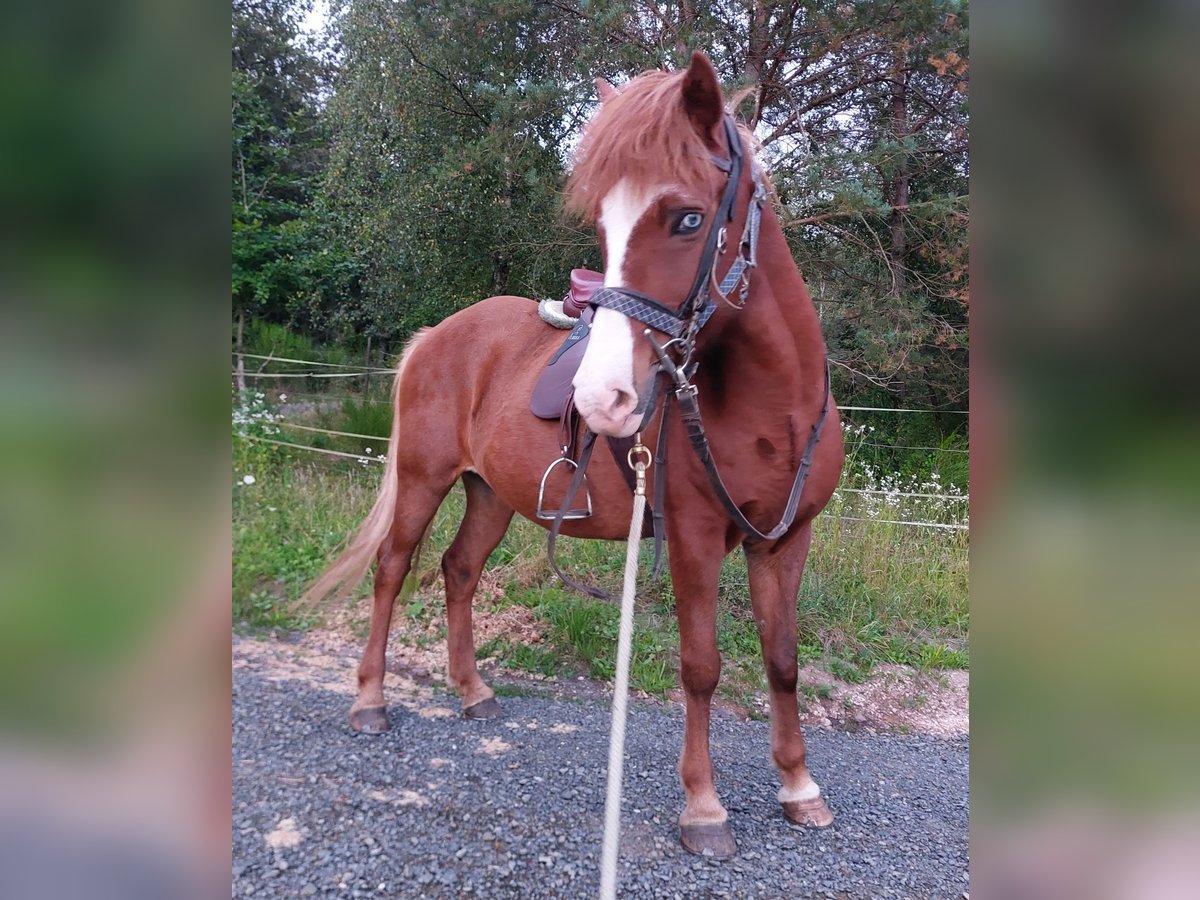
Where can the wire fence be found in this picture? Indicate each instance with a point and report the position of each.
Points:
(304, 374)
(375, 438)
(353, 434)
(361, 457)
(888, 409)
(333, 398)
(366, 458)
(910, 447)
(313, 362)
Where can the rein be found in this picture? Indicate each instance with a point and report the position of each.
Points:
(689, 409)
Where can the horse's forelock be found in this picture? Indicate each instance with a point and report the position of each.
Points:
(644, 135)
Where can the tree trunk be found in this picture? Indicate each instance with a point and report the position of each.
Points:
(899, 245)
(756, 57)
(687, 15)
(501, 258)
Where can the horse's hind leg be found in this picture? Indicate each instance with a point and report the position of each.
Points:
(482, 528)
(416, 505)
(774, 585)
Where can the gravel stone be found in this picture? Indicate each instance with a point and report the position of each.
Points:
(375, 816)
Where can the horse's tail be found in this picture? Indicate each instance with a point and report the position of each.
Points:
(344, 575)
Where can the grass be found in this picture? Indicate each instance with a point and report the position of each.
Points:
(872, 592)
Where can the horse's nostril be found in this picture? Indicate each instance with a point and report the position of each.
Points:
(622, 399)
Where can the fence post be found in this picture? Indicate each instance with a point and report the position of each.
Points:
(367, 368)
(241, 367)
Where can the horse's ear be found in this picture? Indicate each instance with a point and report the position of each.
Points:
(702, 96)
(604, 89)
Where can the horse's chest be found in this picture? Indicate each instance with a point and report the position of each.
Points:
(777, 445)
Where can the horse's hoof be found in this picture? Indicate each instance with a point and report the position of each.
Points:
(484, 709)
(370, 719)
(709, 840)
(811, 813)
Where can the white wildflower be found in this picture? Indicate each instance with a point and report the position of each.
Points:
(248, 479)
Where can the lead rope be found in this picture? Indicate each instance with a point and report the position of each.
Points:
(639, 458)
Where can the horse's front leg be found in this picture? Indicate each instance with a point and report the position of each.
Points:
(695, 571)
(774, 584)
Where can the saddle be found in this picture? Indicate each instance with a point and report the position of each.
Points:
(552, 393)
(584, 283)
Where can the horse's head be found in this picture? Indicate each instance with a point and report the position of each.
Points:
(648, 173)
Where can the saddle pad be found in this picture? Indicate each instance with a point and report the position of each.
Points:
(552, 392)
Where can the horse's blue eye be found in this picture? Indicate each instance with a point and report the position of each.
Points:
(689, 223)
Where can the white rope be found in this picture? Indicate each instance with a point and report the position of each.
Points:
(354, 434)
(941, 525)
(956, 497)
(910, 447)
(332, 397)
(616, 741)
(305, 374)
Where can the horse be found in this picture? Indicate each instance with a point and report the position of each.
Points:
(660, 171)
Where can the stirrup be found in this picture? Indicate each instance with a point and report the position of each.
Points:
(543, 513)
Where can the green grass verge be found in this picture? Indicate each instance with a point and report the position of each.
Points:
(872, 592)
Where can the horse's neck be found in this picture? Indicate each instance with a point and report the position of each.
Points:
(777, 347)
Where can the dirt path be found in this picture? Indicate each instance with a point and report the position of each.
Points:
(897, 699)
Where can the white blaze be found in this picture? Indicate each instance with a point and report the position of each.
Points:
(607, 366)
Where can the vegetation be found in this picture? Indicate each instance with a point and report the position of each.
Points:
(873, 591)
(408, 162)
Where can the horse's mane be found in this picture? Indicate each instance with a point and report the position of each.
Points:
(643, 134)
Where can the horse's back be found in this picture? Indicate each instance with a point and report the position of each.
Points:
(495, 324)
(481, 357)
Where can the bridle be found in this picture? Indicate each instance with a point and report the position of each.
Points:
(683, 324)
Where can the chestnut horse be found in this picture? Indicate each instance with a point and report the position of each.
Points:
(653, 173)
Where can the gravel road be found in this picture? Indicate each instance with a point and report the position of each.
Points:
(445, 807)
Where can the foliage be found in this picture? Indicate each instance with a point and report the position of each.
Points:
(447, 155)
(284, 261)
(420, 169)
